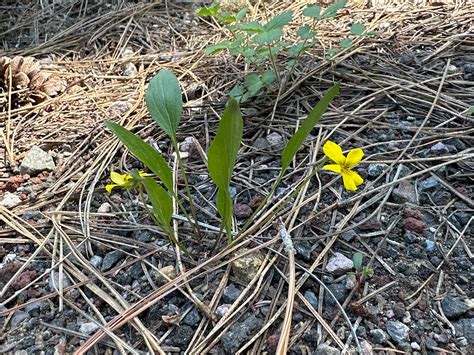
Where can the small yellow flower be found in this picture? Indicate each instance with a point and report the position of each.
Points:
(122, 180)
(344, 164)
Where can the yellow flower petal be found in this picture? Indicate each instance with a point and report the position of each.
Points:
(333, 167)
(357, 178)
(334, 152)
(351, 179)
(142, 173)
(110, 187)
(354, 157)
(118, 178)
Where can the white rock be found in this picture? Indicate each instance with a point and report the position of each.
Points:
(88, 328)
(36, 161)
(104, 208)
(10, 200)
(339, 263)
(130, 70)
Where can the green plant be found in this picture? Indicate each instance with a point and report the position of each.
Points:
(261, 45)
(164, 104)
(361, 270)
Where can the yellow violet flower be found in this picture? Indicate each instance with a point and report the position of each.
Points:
(344, 164)
(122, 180)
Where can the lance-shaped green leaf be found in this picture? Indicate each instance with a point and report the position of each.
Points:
(144, 152)
(295, 143)
(161, 202)
(164, 102)
(222, 156)
(225, 146)
(357, 260)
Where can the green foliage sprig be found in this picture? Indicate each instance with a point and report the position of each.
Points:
(261, 44)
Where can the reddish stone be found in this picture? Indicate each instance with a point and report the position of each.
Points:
(24, 279)
(414, 225)
(36, 180)
(9, 270)
(242, 210)
(410, 212)
(272, 343)
(256, 201)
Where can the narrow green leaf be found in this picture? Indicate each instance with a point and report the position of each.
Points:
(144, 152)
(223, 151)
(357, 260)
(208, 11)
(295, 143)
(216, 48)
(161, 202)
(345, 43)
(222, 155)
(164, 102)
(226, 17)
(357, 29)
(241, 14)
(293, 51)
(332, 10)
(313, 11)
(251, 27)
(279, 21)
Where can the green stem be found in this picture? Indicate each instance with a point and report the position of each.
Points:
(166, 229)
(272, 59)
(188, 190)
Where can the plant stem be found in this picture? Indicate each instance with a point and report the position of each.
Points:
(194, 225)
(272, 59)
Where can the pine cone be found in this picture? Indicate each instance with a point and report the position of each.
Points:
(24, 73)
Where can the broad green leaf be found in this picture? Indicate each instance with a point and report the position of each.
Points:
(305, 32)
(216, 48)
(345, 43)
(313, 11)
(223, 151)
(251, 27)
(357, 260)
(332, 10)
(295, 143)
(208, 11)
(224, 207)
(144, 152)
(237, 91)
(268, 76)
(357, 29)
(269, 36)
(161, 202)
(226, 17)
(279, 21)
(164, 102)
